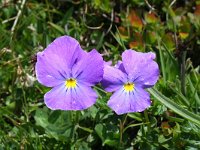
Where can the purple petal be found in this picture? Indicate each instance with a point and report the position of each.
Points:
(56, 61)
(134, 62)
(109, 63)
(66, 48)
(113, 78)
(149, 75)
(85, 96)
(120, 66)
(78, 98)
(141, 67)
(125, 102)
(46, 74)
(89, 69)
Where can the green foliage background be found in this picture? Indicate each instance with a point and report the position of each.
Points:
(170, 28)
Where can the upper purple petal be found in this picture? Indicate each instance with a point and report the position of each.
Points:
(89, 69)
(120, 66)
(125, 102)
(78, 98)
(56, 61)
(113, 78)
(149, 75)
(46, 74)
(141, 67)
(134, 62)
(109, 63)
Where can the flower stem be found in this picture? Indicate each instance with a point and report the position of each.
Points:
(121, 126)
(182, 73)
(147, 119)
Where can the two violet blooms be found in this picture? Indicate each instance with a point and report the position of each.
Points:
(71, 72)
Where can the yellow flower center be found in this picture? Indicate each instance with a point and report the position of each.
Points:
(70, 83)
(129, 87)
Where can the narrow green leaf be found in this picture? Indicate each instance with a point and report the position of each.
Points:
(100, 43)
(173, 106)
(134, 125)
(183, 99)
(57, 27)
(119, 39)
(169, 53)
(136, 116)
(110, 142)
(85, 129)
(163, 65)
(175, 119)
(194, 90)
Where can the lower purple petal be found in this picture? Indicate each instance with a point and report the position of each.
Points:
(85, 96)
(58, 98)
(78, 98)
(125, 102)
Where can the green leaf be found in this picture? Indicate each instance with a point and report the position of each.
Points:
(100, 43)
(194, 91)
(41, 117)
(119, 39)
(57, 27)
(173, 106)
(134, 125)
(85, 129)
(136, 116)
(110, 142)
(99, 130)
(54, 115)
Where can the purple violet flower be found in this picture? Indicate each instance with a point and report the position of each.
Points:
(128, 79)
(71, 72)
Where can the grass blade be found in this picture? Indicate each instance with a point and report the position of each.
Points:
(173, 106)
